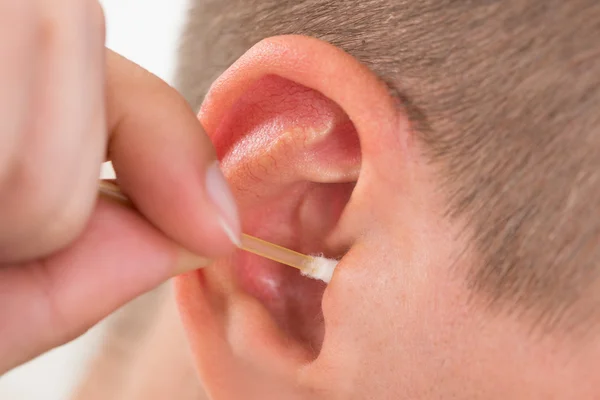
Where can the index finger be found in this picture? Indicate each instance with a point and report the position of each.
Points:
(164, 161)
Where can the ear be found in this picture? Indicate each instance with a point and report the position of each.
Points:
(303, 131)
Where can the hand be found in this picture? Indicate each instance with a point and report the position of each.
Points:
(66, 105)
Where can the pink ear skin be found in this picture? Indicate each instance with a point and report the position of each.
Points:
(292, 135)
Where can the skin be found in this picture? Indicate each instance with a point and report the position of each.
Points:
(68, 104)
(144, 355)
(397, 320)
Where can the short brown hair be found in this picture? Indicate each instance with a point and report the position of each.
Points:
(506, 97)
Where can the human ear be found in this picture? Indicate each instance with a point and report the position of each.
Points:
(304, 131)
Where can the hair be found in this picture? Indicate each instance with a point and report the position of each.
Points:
(504, 95)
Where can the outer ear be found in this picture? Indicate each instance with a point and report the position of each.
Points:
(321, 67)
(302, 129)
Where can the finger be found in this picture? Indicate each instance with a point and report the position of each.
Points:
(51, 191)
(165, 162)
(48, 303)
(17, 38)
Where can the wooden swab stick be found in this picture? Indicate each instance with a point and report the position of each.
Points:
(312, 266)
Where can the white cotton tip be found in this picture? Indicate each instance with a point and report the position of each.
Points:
(320, 268)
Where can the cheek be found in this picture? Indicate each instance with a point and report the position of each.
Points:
(392, 322)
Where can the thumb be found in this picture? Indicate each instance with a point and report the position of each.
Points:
(49, 302)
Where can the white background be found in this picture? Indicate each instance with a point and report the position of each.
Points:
(146, 32)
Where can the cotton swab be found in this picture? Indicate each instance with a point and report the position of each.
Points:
(315, 267)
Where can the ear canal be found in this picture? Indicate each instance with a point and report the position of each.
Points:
(293, 158)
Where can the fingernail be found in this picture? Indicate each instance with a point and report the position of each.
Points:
(235, 238)
(221, 195)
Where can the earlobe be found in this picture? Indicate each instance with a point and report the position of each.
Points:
(296, 123)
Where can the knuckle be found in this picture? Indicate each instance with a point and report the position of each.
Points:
(48, 32)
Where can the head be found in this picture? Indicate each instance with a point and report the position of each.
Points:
(448, 153)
